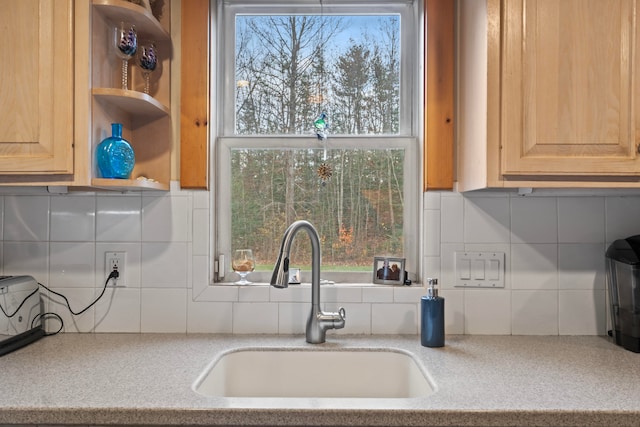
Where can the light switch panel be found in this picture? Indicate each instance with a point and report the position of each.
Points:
(479, 269)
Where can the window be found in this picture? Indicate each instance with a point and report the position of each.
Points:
(354, 67)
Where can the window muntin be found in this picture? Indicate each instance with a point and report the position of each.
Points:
(298, 142)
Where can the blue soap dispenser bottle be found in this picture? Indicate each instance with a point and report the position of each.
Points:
(432, 324)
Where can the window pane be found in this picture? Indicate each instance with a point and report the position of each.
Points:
(291, 68)
(358, 211)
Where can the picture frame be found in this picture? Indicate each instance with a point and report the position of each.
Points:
(294, 276)
(388, 270)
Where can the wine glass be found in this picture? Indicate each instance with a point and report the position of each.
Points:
(125, 40)
(243, 263)
(148, 60)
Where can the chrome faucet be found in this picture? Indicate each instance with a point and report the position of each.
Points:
(318, 321)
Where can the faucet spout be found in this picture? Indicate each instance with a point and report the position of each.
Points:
(318, 322)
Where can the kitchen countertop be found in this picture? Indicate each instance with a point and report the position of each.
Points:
(147, 379)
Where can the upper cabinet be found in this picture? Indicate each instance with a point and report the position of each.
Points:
(145, 117)
(548, 94)
(61, 86)
(37, 69)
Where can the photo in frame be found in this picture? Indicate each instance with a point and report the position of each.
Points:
(388, 270)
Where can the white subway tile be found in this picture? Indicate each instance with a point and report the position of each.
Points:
(337, 294)
(72, 264)
(358, 320)
(447, 278)
(582, 312)
(486, 220)
(118, 311)
(163, 310)
(209, 317)
(377, 294)
(487, 311)
(253, 293)
(534, 220)
(79, 299)
(621, 217)
(534, 266)
(293, 293)
(165, 218)
(581, 266)
(201, 232)
(292, 317)
(534, 312)
(200, 199)
(26, 218)
(453, 311)
(432, 226)
(118, 219)
(73, 218)
(255, 318)
(164, 265)
(452, 219)
(26, 258)
(431, 200)
(581, 219)
(394, 318)
(408, 294)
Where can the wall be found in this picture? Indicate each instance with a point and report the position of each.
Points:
(554, 246)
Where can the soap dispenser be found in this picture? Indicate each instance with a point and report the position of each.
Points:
(432, 325)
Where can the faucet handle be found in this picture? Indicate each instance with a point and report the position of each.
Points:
(342, 313)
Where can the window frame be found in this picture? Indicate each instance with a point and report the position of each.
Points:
(409, 138)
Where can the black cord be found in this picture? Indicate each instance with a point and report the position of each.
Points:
(113, 275)
(20, 306)
(44, 316)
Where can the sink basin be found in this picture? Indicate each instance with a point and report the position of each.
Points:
(296, 373)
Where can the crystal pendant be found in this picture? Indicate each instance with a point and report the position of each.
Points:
(114, 155)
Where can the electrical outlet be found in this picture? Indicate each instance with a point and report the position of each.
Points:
(116, 261)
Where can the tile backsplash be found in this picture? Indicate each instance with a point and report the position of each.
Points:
(554, 248)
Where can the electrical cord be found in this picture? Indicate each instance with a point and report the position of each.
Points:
(113, 275)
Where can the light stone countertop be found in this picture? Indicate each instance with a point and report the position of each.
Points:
(147, 379)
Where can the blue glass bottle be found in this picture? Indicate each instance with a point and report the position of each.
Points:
(432, 323)
(114, 155)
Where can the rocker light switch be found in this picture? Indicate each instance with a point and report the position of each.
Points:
(479, 269)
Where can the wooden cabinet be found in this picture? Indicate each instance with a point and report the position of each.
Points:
(549, 93)
(61, 90)
(36, 73)
(146, 118)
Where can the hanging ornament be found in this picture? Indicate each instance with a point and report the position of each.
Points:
(324, 172)
(321, 124)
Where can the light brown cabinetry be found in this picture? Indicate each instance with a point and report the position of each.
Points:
(60, 86)
(36, 72)
(145, 118)
(549, 93)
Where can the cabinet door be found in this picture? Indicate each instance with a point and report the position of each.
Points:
(569, 88)
(36, 87)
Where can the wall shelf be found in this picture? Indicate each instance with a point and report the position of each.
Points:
(146, 24)
(133, 102)
(145, 118)
(128, 184)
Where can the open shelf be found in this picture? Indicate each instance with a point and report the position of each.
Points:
(128, 184)
(133, 102)
(147, 25)
(145, 118)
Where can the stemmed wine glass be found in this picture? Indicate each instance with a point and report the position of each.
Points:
(148, 60)
(243, 263)
(126, 43)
